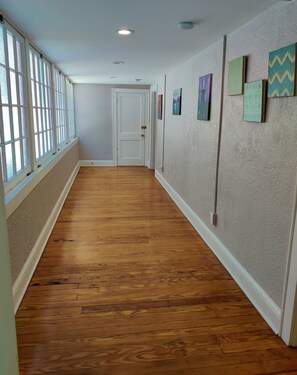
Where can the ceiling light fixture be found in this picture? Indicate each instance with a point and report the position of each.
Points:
(118, 62)
(125, 32)
(187, 25)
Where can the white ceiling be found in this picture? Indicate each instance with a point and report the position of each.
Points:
(80, 35)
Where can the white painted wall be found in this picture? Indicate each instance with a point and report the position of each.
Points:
(93, 112)
(258, 161)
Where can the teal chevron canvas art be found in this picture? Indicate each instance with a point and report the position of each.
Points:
(254, 101)
(282, 72)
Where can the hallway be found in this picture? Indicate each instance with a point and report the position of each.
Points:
(127, 287)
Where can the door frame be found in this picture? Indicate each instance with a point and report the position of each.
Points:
(147, 141)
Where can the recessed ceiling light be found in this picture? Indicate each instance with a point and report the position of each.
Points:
(118, 62)
(125, 32)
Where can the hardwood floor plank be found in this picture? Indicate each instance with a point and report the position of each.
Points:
(127, 287)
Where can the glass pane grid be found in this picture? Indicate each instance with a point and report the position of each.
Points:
(13, 124)
(41, 103)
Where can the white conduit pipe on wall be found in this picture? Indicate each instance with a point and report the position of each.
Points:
(164, 122)
(220, 128)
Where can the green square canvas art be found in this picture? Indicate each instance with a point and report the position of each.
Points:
(236, 75)
(254, 101)
(282, 72)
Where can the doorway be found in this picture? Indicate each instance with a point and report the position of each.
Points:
(131, 127)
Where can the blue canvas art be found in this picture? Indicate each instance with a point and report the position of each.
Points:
(204, 96)
(176, 105)
(282, 72)
(254, 101)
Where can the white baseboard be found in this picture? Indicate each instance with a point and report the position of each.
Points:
(269, 310)
(96, 163)
(21, 284)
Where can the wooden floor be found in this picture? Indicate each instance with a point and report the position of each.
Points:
(127, 287)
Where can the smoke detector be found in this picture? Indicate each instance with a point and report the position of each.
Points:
(187, 25)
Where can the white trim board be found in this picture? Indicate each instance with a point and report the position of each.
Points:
(21, 284)
(96, 163)
(269, 310)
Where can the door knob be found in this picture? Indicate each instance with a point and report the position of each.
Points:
(143, 127)
(142, 135)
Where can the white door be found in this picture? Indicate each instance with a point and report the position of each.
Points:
(131, 124)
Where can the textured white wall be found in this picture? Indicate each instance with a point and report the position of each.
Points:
(258, 161)
(257, 173)
(28, 220)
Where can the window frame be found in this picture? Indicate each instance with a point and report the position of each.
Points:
(16, 189)
(16, 108)
(41, 106)
(70, 109)
(60, 100)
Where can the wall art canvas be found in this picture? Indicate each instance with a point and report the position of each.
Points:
(236, 75)
(282, 72)
(204, 97)
(160, 107)
(177, 97)
(254, 101)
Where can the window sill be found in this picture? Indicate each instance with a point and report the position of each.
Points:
(16, 196)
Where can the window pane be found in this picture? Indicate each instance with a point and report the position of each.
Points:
(13, 88)
(2, 51)
(45, 143)
(24, 123)
(36, 64)
(31, 64)
(35, 120)
(16, 128)
(3, 83)
(49, 140)
(37, 154)
(22, 89)
(10, 51)
(2, 163)
(33, 93)
(19, 56)
(40, 120)
(26, 151)
(9, 161)
(37, 95)
(6, 124)
(18, 159)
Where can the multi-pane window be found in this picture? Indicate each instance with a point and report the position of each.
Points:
(31, 129)
(14, 134)
(42, 113)
(70, 109)
(60, 106)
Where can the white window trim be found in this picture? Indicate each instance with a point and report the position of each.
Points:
(14, 198)
(19, 188)
(18, 177)
(41, 160)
